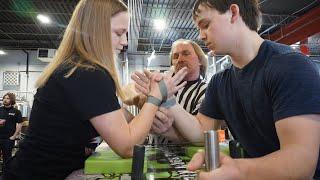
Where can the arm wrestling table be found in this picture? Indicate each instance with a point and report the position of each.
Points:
(158, 162)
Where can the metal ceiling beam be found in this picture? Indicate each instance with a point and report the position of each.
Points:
(171, 19)
(154, 44)
(52, 1)
(35, 12)
(31, 34)
(149, 28)
(26, 46)
(282, 16)
(46, 28)
(141, 38)
(301, 28)
(167, 8)
(135, 7)
(164, 45)
(4, 33)
(190, 10)
(26, 41)
(267, 20)
(38, 26)
(16, 24)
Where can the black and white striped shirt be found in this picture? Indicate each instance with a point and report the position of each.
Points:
(191, 96)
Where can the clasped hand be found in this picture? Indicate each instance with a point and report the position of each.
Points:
(162, 122)
(147, 82)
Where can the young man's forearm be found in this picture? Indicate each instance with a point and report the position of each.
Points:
(187, 124)
(173, 135)
(294, 162)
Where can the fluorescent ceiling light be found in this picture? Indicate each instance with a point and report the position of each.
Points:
(153, 55)
(159, 24)
(2, 52)
(43, 19)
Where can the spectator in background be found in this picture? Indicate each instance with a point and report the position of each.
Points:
(10, 125)
(184, 53)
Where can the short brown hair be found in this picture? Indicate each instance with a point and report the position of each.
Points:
(12, 98)
(249, 10)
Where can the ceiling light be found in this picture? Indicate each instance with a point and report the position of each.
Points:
(2, 52)
(150, 58)
(43, 19)
(159, 24)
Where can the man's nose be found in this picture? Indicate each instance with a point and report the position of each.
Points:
(180, 58)
(202, 35)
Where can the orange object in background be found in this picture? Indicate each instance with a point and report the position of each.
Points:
(222, 135)
(304, 49)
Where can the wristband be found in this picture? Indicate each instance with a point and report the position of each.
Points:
(169, 103)
(164, 93)
(153, 100)
(163, 90)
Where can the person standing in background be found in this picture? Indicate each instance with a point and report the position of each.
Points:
(10, 125)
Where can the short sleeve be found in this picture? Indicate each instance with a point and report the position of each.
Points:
(210, 104)
(90, 92)
(293, 83)
(18, 117)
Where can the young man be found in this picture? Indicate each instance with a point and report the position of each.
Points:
(10, 125)
(269, 97)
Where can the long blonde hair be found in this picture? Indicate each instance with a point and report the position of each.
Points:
(87, 40)
(199, 52)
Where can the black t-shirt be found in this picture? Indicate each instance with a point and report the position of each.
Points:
(59, 125)
(12, 117)
(276, 84)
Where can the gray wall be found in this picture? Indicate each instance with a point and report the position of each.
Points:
(16, 61)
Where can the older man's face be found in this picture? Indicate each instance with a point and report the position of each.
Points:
(183, 55)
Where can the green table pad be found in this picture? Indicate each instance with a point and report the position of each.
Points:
(108, 162)
(163, 175)
(190, 151)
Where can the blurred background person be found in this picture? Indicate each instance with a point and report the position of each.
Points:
(10, 126)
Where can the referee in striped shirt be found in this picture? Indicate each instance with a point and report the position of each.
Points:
(184, 53)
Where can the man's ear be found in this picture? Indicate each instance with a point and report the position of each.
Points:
(235, 13)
